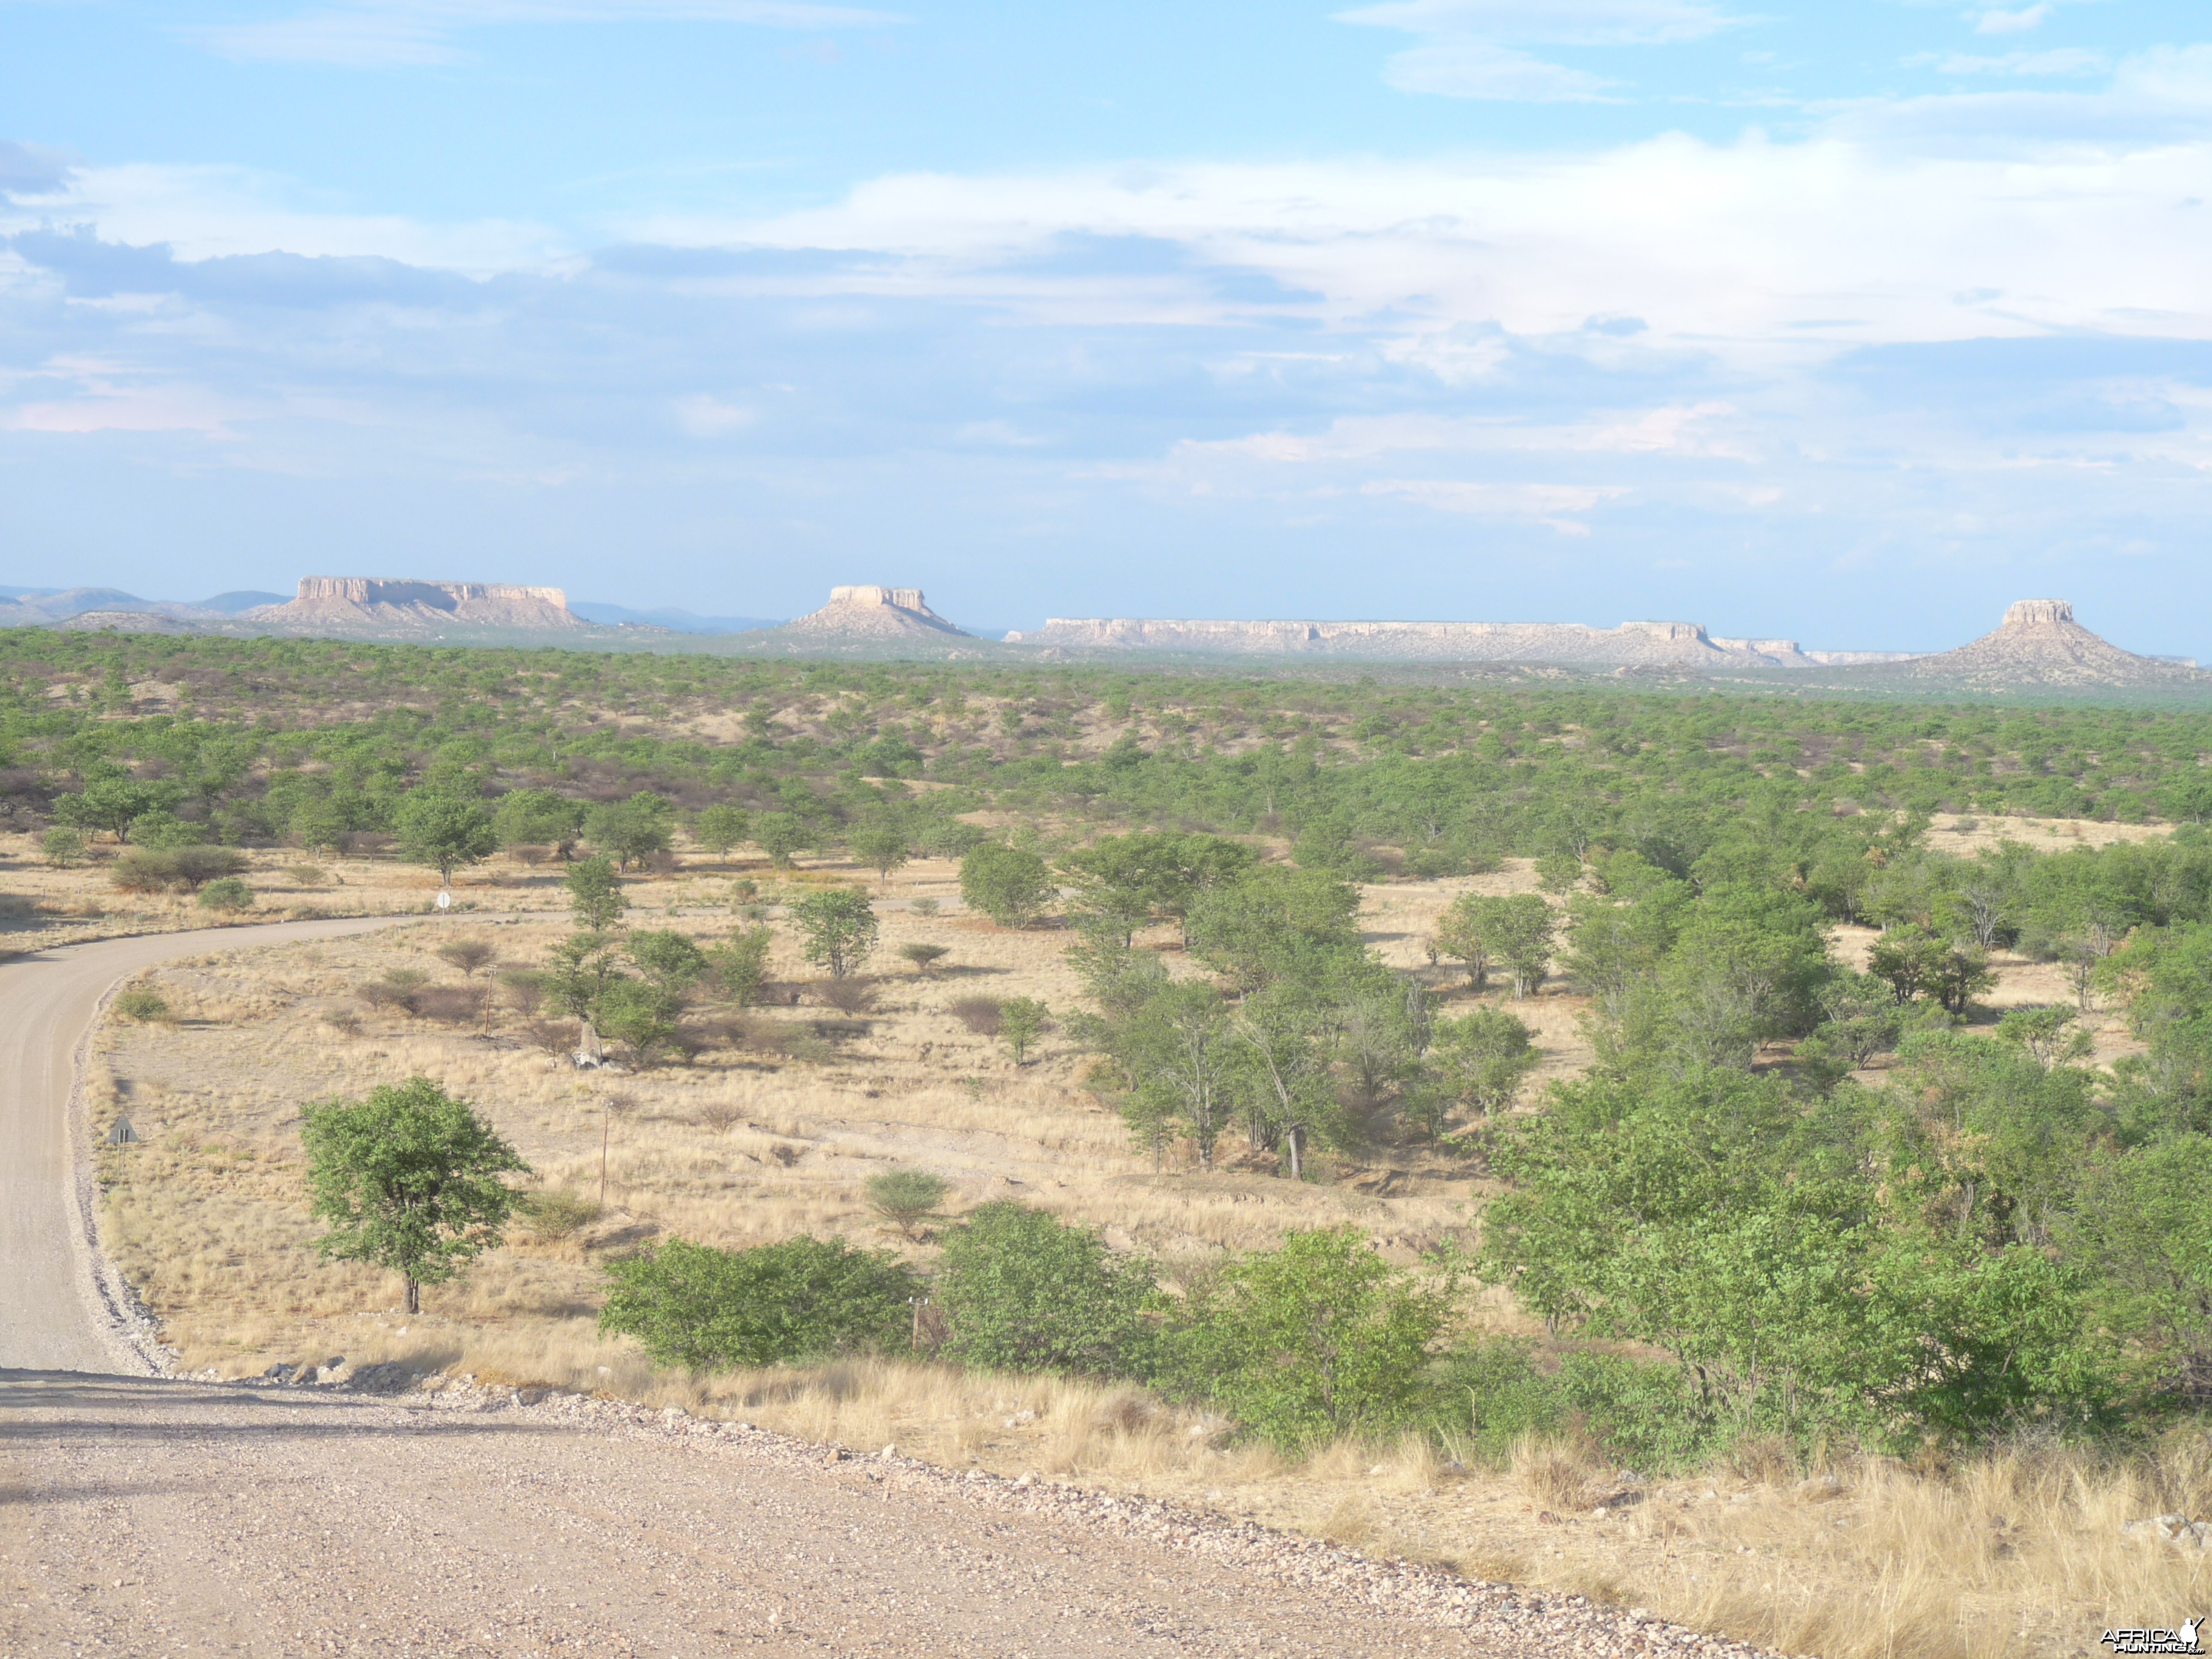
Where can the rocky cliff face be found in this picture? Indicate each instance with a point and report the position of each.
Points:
(870, 613)
(1632, 645)
(372, 603)
(2040, 644)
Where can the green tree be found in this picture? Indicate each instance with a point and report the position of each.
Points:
(721, 827)
(804, 1298)
(539, 817)
(1276, 922)
(595, 894)
(63, 848)
(1481, 1058)
(907, 1198)
(739, 965)
(1318, 1339)
(839, 925)
(1914, 962)
(668, 959)
(440, 827)
(633, 830)
(1010, 884)
(924, 956)
(781, 834)
(1516, 932)
(881, 844)
(1133, 879)
(1286, 1037)
(1021, 1022)
(113, 804)
(643, 1016)
(1175, 1057)
(1559, 872)
(1024, 1291)
(407, 1179)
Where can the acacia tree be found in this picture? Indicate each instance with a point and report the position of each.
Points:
(443, 827)
(721, 827)
(881, 845)
(839, 926)
(1009, 885)
(595, 894)
(408, 1180)
(781, 834)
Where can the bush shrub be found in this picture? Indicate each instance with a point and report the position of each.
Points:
(1024, 1291)
(559, 1213)
(142, 1003)
(1641, 1414)
(451, 1005)
(847, 996)
(906, 1198)
(227, 894)
(63, 846)
(925, 957)
(804, 1298)
(1319, 1338)
(980, 1014)
(174, 869)
(1006, 884)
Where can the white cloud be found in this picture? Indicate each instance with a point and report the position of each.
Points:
(2065, 60)
(1557, 23)
(705, 416)
(386, 33)
(1483, 69)
(1543, 503)
(1750, 252)
(108, 396)
(1997, 20)
(1467, 52)
(206, 212)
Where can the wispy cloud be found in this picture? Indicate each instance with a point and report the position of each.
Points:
(1483, 69)
(1556, 22)
(1472, 48)
(390, 33)
(1999, 20)
(1549, 505)
(2062, 61)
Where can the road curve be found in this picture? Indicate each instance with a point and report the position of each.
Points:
(55, 1313)
(143, 1515)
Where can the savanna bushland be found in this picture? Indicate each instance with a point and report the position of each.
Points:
(1744, 1155)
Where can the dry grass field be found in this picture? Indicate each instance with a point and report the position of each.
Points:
(207, 1216)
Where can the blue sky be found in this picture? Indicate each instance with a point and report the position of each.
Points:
(1846, 323)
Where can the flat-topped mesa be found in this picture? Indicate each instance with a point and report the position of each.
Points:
(376, 602)
(2040, 644)
(866, 611)
(905, 598)
(1632, 645)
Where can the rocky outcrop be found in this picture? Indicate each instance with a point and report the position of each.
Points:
(868, 613)
(1632, 645)
(374, 603)
(2040, 644)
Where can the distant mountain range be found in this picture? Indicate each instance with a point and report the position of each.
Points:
(676, 622)
(2039, 648)
(46, 606)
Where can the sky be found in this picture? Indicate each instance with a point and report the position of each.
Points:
(1849, 324)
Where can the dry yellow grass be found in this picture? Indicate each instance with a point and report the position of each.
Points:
(208, 1217)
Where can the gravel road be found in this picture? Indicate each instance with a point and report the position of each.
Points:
(59, 1309)
(145, 1514)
